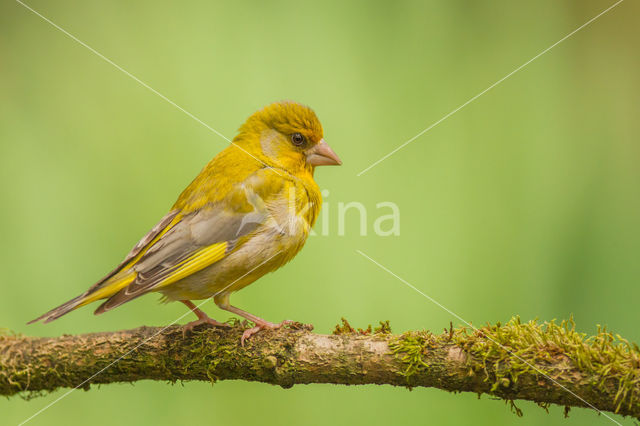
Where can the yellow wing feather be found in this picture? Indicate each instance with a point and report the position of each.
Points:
(196, 262)
(119, 282)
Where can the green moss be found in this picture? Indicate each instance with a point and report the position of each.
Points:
(219, 351)
(346, 328)
(210, 353)
(411, 348)
(383, 328)
(507, 351)
(605, 357)
(503, 353)
(515, 409)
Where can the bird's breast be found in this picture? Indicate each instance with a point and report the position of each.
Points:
(289, 215)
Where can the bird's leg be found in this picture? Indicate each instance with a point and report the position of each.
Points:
(202, 318)
(261, 324)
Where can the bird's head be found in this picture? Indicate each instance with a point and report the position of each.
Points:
(287, 135)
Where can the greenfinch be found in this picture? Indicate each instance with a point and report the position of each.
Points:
(247, 213)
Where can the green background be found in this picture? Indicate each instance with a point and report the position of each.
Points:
(524, 202)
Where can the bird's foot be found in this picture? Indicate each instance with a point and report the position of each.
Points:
(265, 325)
(206, 320)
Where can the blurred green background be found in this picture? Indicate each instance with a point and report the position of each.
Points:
(525, 202)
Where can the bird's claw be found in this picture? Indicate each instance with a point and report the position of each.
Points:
(263, 326)
(188, 327)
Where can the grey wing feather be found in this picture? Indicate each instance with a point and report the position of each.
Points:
(195, 231)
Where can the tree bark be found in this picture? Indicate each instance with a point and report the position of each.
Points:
(512, 361)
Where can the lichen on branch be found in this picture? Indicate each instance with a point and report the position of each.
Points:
(547, 363)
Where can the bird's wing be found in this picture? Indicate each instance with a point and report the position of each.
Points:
(198, 240)
(181, 244)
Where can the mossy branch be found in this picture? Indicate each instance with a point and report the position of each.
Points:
(547, 363)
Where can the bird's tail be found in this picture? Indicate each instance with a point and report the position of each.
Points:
(98, 291)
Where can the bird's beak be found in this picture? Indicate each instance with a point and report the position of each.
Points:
(322, 155)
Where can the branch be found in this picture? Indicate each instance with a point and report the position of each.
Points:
(511, 361)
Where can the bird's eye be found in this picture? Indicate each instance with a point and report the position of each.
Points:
(297, 139)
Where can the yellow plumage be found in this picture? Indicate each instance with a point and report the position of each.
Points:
(247, 213)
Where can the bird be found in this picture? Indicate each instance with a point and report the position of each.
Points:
(247, 213)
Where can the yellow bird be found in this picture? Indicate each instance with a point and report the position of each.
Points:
(247, 213)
